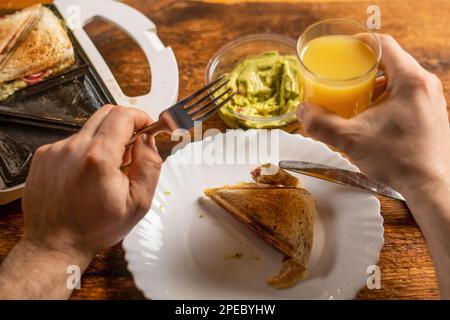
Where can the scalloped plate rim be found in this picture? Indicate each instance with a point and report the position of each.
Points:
(132, 256)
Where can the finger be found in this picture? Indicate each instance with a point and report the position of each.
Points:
(398, 64)
(40, 153)
(91, 126)
(323, 124)
(395, 61)
(143, 173)
(116, 130)
(380, 87)
(38, 163)
(127, 157)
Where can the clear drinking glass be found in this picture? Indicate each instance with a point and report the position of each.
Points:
(347, 92)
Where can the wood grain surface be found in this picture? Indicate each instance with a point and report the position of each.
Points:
(197, 29)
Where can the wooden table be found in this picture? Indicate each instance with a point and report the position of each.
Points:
(195, 30)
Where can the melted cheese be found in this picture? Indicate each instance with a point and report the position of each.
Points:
(9, 88)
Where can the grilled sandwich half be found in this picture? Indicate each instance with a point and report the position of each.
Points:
(34, 46)
(278, 211)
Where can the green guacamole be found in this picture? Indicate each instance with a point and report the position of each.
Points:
(265, 86)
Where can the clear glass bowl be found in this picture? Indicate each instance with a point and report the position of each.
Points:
(226, 59)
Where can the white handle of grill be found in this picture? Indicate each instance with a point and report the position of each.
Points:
(161, 59)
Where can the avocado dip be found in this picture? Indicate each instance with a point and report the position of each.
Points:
(266, 86)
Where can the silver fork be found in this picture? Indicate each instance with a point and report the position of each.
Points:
(196, 107)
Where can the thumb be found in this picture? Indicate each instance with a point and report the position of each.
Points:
(322, 124)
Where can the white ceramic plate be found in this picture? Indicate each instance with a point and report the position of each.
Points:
(182, 249)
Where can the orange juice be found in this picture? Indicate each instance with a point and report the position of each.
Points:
(338, 73)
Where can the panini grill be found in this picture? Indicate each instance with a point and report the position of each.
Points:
(57, 107)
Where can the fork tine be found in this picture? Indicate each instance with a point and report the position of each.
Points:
(193, 107)
(199, 92)
(199, 108)
(213, 110)
(213, 101)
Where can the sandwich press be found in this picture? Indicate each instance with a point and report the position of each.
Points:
(79, 91)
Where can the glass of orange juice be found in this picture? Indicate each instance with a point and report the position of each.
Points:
(338, 65)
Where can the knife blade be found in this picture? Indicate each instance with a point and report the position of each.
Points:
(340, 176)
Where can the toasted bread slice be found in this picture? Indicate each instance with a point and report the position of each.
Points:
(45, 47)
(15, 27)
(282, 216)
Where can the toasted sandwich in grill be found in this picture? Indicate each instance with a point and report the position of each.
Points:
(34, 45)
(277, 210)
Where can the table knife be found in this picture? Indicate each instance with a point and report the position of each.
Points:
(340, 176)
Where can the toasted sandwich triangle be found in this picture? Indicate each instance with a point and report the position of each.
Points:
(46, 48)
(281, 216)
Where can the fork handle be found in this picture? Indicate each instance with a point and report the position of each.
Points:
(151, 130)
